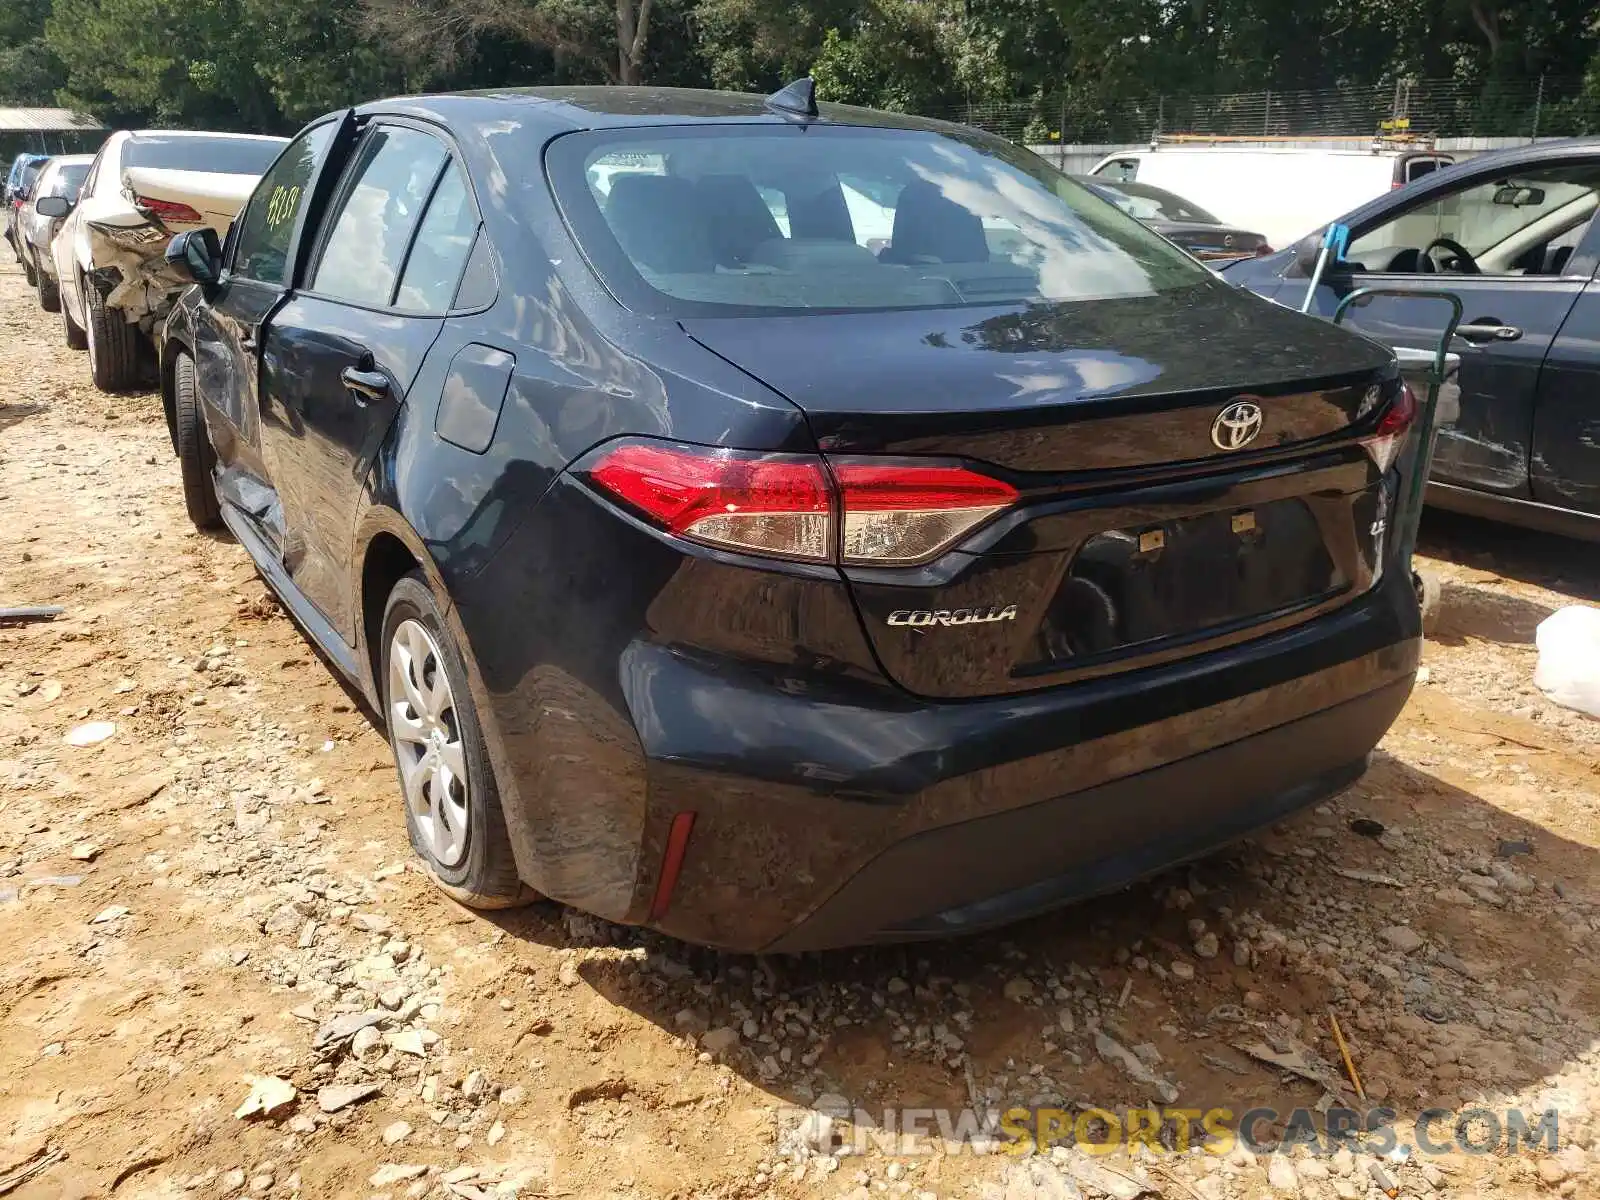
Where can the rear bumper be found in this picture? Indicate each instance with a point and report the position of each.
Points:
(992, 870)
(832, 811)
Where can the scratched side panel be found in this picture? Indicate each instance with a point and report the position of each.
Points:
(1566, 431)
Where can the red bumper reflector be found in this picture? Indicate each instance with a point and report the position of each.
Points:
(671, 863)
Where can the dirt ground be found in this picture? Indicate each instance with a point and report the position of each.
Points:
(218, 893)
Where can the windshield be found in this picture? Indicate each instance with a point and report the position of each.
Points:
(64, 179)
(1148, 203)
(735, 219)
(220, 155)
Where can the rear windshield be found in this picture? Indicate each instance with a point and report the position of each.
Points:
(1149, 203)
(741, 219)
(30, 172)
(222, 155)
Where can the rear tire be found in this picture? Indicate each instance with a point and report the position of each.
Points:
(196, 459)
(455, 824)
(113, 343)
(49, 289)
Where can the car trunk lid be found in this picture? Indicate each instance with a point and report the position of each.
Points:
(1138, 535)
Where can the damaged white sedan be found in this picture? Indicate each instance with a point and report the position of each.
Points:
(144, 188)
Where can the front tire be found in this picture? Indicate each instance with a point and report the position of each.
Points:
(49, 289)
(453, 813)
(197, 459)
(28, 272)
(113, 343)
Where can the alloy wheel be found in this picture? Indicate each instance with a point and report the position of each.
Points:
(426, 735)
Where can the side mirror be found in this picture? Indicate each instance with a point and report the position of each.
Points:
(1306, 251)
(196, 256)
(52, 206)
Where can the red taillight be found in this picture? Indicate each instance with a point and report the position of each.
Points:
(1384, 442)
(888, 513)
(168, 210)
(905, 513)
(767, 503)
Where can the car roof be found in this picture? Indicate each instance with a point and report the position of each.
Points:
(204, 133)
(1534, 153)
(595, 107)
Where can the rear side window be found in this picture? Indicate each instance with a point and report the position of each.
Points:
(439, 253)
(222, 155)
(388, 183)
(263, 235)
(746, 219)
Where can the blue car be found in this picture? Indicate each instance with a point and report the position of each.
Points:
(1514, 235)
(18, 189)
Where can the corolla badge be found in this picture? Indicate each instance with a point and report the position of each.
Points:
(1237, 425)
(921, 617)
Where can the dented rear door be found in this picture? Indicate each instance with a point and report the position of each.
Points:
(1516, 318)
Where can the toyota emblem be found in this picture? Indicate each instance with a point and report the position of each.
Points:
(1237, 425)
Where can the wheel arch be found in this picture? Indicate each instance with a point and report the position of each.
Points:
(387, 549)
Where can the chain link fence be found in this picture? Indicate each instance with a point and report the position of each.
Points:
(1544, 107)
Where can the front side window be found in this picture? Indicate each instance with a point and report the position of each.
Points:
(763, 218)
(262, 237)
(390, 180)
(1513, 224)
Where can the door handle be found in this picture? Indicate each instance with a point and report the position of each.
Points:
(367, 385)
(1479, 332)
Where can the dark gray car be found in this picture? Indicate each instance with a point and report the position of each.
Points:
(1179, 220)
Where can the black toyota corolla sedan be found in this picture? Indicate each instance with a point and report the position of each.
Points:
(717, 571)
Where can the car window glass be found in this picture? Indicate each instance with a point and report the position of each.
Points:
(190, 152)
(478, 283)
(443, 241)
(391, 178)
(871, 219)
(262, 236)
(1504, 223)
(72, 178)
(1149, 203)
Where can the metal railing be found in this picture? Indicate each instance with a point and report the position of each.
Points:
(1543, 107)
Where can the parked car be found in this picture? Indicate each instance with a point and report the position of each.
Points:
(62, 177)
(1283, 192)
(716, 574)
(142, 188)
(1514, 235)
(1178, 220)
(19, 184)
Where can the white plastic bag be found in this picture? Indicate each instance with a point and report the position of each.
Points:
(1569, 658)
